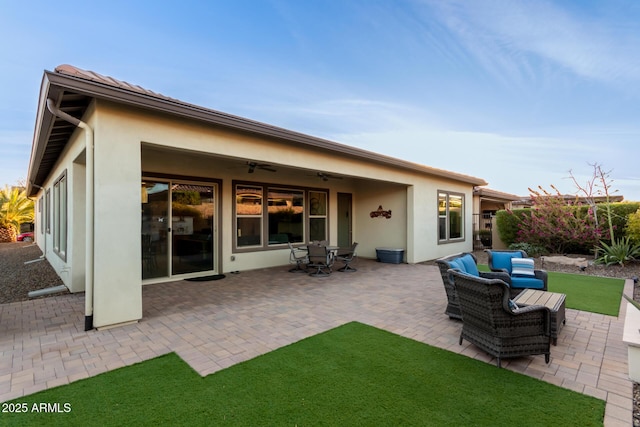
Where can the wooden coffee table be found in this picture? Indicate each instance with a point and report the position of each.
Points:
(553, 301)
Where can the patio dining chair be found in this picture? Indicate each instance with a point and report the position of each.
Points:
(347, 258)
(321, 260)
(299, 257)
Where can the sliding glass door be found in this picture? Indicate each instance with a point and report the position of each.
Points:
(192, 224)
(178, 228)
(155, 229)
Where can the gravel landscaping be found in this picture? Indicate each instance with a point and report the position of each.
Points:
(17, 279)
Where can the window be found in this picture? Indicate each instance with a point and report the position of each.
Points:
(450, 216)
(317, 215)
(295, 215)
(286, 216)
(40, 214)
(60, 216)
(248, 215)
(47, 211)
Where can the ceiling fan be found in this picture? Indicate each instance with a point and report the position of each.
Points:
(327, 176)
(262, 166)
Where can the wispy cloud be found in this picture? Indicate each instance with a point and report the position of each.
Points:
(510, 162)
(510, 39)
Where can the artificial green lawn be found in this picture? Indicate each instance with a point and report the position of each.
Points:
(587, 293)
(350, 376)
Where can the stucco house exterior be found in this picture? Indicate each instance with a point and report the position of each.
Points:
(135, 188)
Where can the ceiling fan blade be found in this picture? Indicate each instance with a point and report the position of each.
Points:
(327, 176)
(263, 166)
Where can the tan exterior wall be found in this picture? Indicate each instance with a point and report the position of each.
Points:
(117, 241)
(131, 142)
(71, 268)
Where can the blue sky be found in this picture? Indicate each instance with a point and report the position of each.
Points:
(515, 92)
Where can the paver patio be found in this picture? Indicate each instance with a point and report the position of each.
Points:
(213, 325)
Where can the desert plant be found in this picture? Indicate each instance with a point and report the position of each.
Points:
(618, 252)
(15, 208)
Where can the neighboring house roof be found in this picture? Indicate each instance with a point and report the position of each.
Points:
(571, 198)
(489, 194)
(72, 90)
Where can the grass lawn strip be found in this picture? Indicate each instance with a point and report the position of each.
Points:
(589, 293)
(351, 375)
(594, 294)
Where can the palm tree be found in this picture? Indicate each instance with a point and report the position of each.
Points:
(15, 208)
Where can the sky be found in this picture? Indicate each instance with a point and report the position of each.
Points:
(519, 93)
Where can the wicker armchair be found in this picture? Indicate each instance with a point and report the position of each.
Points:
(489, 322)
(454, 261)
(500, 260)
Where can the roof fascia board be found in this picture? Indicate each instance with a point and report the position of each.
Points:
(175, 107)
(41, 132)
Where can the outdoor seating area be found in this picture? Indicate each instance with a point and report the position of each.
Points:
(518, 289)
(320, 257)
(214, 325)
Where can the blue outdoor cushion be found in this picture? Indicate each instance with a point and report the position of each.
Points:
(455, 263)
(526, 283)
(469, 265)
(503, 259)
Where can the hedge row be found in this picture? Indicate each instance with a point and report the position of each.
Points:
(508, 222)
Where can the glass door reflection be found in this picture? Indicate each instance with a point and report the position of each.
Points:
(155, 229)
(192, 228)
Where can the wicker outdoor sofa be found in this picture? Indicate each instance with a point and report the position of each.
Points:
(492, 323)
(466, 262)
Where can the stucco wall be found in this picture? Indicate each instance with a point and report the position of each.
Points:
(70, 268)
(130, 142)
(423, 223)
(380, 232)
(117, 267)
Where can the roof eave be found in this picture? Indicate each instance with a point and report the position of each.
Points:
(56, 83)
(42, 129)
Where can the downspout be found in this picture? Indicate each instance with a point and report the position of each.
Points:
(88, 132)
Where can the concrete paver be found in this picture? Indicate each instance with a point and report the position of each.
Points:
(214, 325)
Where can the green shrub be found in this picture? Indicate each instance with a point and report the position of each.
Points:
(531, 250)
(508, 224)
(633, 226)
(619, 215)
(621, 212)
